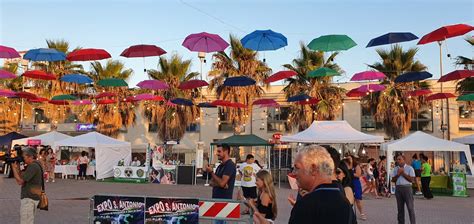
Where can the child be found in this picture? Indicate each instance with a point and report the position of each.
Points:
(248, 170)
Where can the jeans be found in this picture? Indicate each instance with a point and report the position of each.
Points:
(425, 187)
(28, 210)
(82, 170)
(404, 195)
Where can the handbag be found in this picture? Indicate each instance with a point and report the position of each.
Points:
(43, 203)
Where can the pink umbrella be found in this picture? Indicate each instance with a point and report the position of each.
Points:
(368, 75)
(192, 84)
(81, 102)
(169, 103)
(6, 75)
(355, 93)
(147, 96)
(8, 52)
(371, 88)
(7, 93)
(205, 42)
(153, 85)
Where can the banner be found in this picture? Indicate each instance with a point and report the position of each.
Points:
(118, 209)
(171, 210)
(33, 142)
(459, 185)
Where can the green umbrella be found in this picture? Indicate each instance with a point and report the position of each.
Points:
(64, 97)
(322, 72)
(332, 43)
(112, 82)
(467, 97)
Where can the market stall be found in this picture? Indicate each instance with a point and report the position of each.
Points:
(468, 140)
(49, 138)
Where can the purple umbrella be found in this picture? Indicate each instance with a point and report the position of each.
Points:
(153, 85)
(205, 42)
(368, 75)
(370, 88)
(81, 102)
(7, 93)
(8, 52)
(6, 75)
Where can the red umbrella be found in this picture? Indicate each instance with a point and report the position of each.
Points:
(456, 75)
(238, 105)
(142, 50)
(192, 84)
(106, 101)
(446, 32)
(225, 103)
(105, 94)
(264, 102)
(88, 54)
(419, 92)
(308, 101)
(8, 52)
(438, 96)
(26, 95)
(280, 75)
(59, 102)
(38, 100)
(355, 93)
(38, 74)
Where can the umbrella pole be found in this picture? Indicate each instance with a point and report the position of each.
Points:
(441, 87)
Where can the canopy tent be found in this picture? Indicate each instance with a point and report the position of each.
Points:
(331, 132)
(6, 140)
(468, 140)
(420, 141)
(49, 138)
(108, 151)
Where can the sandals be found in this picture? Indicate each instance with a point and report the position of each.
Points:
(363, 217)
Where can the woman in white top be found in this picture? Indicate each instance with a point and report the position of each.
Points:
(83, 161)
(371, 183)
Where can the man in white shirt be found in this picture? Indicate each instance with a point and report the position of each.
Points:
(135, 162)
(404, 175)
(249, 170)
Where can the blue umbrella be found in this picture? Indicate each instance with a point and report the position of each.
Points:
(181, 101)
(264, 40)
(206, 105)
(44, 54)
(76, 78)
(413, 76)
(239, 81)
(391, 38)
(299, 97)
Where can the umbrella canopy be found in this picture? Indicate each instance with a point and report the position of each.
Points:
(153, 85)
(81, 102)
(64, 97)
(224, 103)
(264, 102)
(8, 52)
(88, 54)
(44, 54)
(38, 74)
(322, 72)
(371, 88)
(206, 105)
(413, 76)
(299, 97)
(368, 75)
(142, 50)
(76, 78)
(456, 75)
(419, 92)
(192, 84)
(105, 94)
(270, 105)
(309, 101)
(38, 100)
(205, 42)
(467, 97)
(6, 75)
(392, 38)
(239, 81)
(106, 101)
(331, 43)
(7, 93)
(26, 95)
(59, 102)
(280, 75)
(112, 82)
(446, 32)
(181, 101)
(147, 96)
(264, 40)
(355, 93)
(438, 96)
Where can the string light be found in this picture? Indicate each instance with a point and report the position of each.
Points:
(354, 150)
(363, 151)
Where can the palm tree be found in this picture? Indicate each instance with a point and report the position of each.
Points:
(240, 62)
(172, 120)
(10, 107)
(393, 106)
(330, 96)
(467, 85)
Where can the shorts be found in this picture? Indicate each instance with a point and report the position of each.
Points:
(357, 189)
(250, 192)
(418, 173)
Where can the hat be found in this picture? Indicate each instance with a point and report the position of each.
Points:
(29, 151)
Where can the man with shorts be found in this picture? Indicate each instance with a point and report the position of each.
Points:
(248, 170)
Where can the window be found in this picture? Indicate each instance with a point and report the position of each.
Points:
(194, 127)
(368, 122)
(277, 120)
(466, 118)
(40, 116)
(225, 125)
(152, 127)
(423, 120)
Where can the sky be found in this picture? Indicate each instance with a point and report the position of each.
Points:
(117, 24)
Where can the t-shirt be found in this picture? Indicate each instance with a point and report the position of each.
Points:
(83, 160)
(426, 170)
(227, 168)
(32, 177)
(248, 174)
(326, 204)
(416, 164)
(408, 170)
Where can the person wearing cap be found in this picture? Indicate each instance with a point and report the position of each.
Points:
(30, 182)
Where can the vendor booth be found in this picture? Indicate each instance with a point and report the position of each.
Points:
(468, 140)
(108, 151)
(49, 138)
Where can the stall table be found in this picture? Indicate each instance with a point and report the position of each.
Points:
(66, 170)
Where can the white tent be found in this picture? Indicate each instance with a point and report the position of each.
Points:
(420, 141)
(469, 140)
(49, 138)
(332, 132)
(108, 151)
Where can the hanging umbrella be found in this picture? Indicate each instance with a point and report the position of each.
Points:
(147, 96)
(38, 74)
(142, 50)
(112, 82)
(105, 94)
(81, 102)
(270, 105)
(7, 93)
(332, 43)
(419, 92)
(76, 78)
(153, 85)
(59, 102)
(264, 40)
(392, 38)
(192, 84)
(280, 75)
(181, 101)
(171, 104)
(8, 52)
(446, 32)
(88, 54)
(224, 103)
(38, 100)
(323, 72)
(44, 54)
(264, 101)
(310, 101)
(438, 96)
(370, 88)
(368, 75)
(6, 75)
(206, 105)
(26, 95)
(467, 97)
(456, 75)
(64, 97)
(239, 81)
(413, 76)
(299, 97)
(129, 99)
(205, 42)
(106, 101)
(355, 93)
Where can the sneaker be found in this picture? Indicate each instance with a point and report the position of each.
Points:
(53, 181)
(418, 193)
(47, 181)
